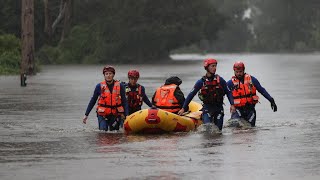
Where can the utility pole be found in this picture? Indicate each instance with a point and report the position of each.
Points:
(27, 37)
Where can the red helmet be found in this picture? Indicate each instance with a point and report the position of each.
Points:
(238, 66)
(133, 73)
(209, 61)
(109, 68)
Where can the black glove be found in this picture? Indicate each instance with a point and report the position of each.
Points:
(273, 105)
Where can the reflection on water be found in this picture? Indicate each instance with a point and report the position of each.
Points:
(41, 131)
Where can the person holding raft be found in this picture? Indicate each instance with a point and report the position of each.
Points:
(211, 88)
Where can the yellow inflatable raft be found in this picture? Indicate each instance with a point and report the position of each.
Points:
(154, 121)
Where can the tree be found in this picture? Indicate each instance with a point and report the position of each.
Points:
(285, 25)
(27, 36)
(64, 15)
(10, 13)
(236, 33)
(141, 31)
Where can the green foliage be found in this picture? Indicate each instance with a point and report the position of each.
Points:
(300, 46)
(285, 25)
(48, 55)
(236, 33)
(40, 37)
(10, 18)
(315, 35)
(141, 31)
(76, 46)
(10, 13)
(8, 42)
(73, 50)
(10, 54)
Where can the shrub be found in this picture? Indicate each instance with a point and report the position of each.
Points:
(10, 54)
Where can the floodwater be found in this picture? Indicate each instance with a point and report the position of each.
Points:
(42, 135)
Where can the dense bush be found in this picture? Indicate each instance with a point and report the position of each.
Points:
(121, 31)
(10, 54)
(73, 50)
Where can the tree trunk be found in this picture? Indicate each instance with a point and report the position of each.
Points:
(67, 18)
(65, 11)
(62, 10)
(27, 36)
(47, 17)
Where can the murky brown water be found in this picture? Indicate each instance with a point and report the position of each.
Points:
(41, 135)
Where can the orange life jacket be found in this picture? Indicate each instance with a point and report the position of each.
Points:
(134, 96)
(244, 93)
(109, 103)
(165, 99)
(211, 92)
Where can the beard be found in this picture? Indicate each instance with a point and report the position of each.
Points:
(240, 77)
